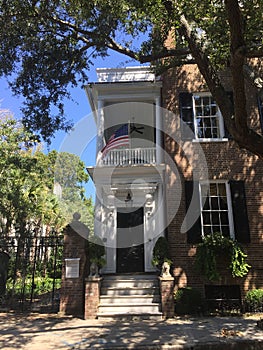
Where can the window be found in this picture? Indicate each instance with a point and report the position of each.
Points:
(219, 206)
(207, 118)
(202, 116)
(216, 215)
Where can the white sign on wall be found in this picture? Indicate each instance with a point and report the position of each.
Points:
(72, 268)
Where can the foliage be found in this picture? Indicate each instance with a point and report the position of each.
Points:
(97, 251)
(23, 288)
(52, 44)
(27, 201)
(188, 301)
(254, 300)
(217, 248)
(161, 252)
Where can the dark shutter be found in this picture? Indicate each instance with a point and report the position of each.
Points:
(260, 110)
(186, 115)
(227, 133)
(239, 209)
(192, 194)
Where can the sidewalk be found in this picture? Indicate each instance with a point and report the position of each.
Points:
(38, 331)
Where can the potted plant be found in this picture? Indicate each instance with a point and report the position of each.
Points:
(96, 255)
(161, 253)
(214, 248)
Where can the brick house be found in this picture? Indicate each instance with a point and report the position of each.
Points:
(166, 166)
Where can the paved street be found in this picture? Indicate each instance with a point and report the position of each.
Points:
(39, 331)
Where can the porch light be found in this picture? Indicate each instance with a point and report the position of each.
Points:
(128, 198)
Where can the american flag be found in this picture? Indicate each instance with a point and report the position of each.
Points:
(118, 139)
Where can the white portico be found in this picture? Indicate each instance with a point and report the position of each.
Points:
(129, 211)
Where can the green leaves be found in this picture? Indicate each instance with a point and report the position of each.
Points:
(48, 46)
(27, 178)
(217, 252)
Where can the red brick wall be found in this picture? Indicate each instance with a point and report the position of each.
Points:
(225, 161)
(72, 289)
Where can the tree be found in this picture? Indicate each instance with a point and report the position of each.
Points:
(53, 44)
(27, 175)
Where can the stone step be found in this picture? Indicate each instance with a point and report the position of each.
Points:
(129, 291)
(129, 283)
(157, 316)
(130, 296)
(129, 299)
(140, 276)
(129, 308)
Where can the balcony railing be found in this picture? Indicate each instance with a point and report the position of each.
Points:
(134, 156)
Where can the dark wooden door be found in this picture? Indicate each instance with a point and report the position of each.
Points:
(130, 240)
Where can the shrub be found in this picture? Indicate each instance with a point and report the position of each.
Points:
(216, 247)
(160, 252)
(22, 287)
(97, 252)
(188, 301)
(254, 300)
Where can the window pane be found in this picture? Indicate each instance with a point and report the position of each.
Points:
(207, 111)
(207, 230)
(216, 229)
(214, 203)
(215, 218)
(223, 203)
(224, 218)
(215, 134)
(206, 100)
(213, 189)
(199, 111)
(198, 100)
(222, 190)
(206, 204)
(208, 133)
(206, 218)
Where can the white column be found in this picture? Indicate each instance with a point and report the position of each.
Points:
(158, 121)
(161, 209)
(100, 127)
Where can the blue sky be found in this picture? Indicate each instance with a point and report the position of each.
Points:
(75, 111)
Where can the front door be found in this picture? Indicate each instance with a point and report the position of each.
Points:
(130, 240)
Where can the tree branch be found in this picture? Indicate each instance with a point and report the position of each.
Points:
(112, 44)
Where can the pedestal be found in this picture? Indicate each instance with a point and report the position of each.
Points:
(92, 297)
(167, 296)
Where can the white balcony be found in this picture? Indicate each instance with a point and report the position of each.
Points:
(127, 157)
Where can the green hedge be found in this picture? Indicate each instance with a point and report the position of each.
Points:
(42, 285)
(254, 300)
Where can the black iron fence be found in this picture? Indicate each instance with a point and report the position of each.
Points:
(33, 275)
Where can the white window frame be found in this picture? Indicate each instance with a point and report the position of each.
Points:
(220, 121)
(229, 205)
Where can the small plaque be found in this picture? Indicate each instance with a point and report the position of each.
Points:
(72, 268)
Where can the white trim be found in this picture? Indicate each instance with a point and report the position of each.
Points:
(137, 73)
(210, 140)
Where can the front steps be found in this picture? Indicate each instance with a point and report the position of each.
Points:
(131, 296)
